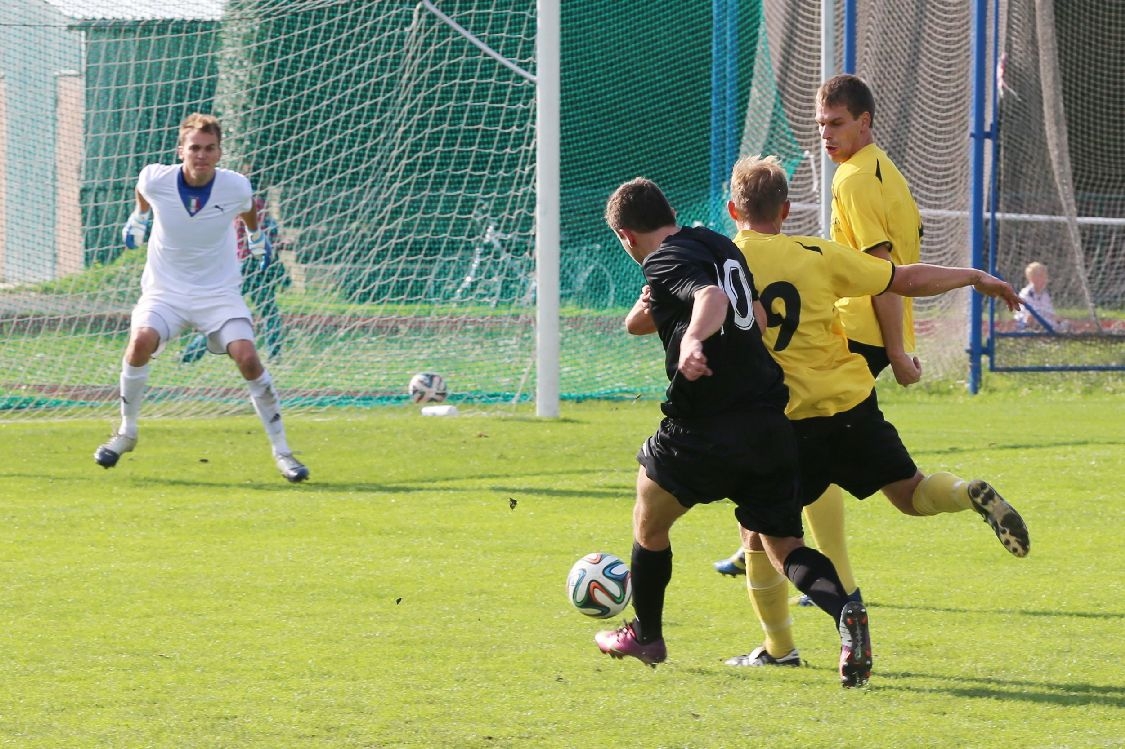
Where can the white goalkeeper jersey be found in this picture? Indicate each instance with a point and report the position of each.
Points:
(192, 253)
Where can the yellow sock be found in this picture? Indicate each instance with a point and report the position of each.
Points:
(825, 518)
(769, 594)
(941, 492)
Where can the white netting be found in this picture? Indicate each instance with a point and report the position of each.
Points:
(917, 58)
(394, 142)
(1061, 186)
(1060, 191)
(397, 159)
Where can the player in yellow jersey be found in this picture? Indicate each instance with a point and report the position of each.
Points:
(872, 212)
(843, 437)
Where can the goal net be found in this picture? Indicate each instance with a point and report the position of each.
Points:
(1060, 193)
(1059, 199)
(917, 59)
(394, 144)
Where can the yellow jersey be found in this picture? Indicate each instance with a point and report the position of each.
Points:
(799, 280)
(872, 204)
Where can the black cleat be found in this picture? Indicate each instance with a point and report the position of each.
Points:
(1005, 521)
(761, 657)
(855, 646)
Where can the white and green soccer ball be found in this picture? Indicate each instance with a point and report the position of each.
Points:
(599, 585)
(427, 387)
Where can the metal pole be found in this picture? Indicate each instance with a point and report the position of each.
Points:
(724, 103)
(827, 70)
(993, 182)
(976, 187)
(547, 208)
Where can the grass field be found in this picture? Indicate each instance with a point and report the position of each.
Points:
(191, 598)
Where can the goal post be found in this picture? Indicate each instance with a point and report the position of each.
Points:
(401, 158)
(547, 215)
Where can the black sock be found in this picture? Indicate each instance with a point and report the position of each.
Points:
(814, 575)
(651, 571)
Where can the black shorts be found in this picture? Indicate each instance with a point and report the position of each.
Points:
(749, 458)
(876, 356)
(858, 450)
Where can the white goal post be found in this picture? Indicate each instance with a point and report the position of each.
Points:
(547, 188)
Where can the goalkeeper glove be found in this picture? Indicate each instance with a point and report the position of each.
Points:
(259, 245)
(135, 229)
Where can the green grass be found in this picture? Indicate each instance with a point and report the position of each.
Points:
(191, 598)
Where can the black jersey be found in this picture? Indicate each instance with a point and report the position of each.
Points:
(745, 376)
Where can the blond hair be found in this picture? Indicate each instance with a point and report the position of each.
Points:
(759, 187)
(205, 123)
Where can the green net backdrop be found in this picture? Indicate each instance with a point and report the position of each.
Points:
(397, 155)
(399, 161)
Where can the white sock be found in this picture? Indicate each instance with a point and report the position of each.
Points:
(268, 407)
(133, 381)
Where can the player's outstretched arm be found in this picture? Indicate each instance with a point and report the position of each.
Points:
(923, 279)
(992, 286)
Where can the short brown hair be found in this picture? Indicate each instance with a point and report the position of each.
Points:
(639, 205)
(849, 90)
(759, 187)
(206, 123)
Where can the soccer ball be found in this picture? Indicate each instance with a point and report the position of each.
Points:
(599, 585)
(427, 387)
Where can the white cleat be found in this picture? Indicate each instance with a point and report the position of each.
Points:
(291, 468)
(109, 453)
(761, 657)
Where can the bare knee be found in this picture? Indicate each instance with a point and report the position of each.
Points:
(778, 549)
(654, 513)
(901, 494)
(652, 530)
(246, 359)
(751, 540)
(142, 345)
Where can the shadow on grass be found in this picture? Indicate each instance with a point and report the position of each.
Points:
(1015, 447)
(1025, 612)
(475, 484)
(1063, 693)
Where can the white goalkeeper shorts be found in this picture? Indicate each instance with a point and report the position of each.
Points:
(223, 319)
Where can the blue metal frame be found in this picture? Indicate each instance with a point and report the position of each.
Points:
(986, 85)
(976, 186)
(994, 190)
(725, 125)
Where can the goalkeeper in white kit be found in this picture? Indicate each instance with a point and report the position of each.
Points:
(192, 279)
